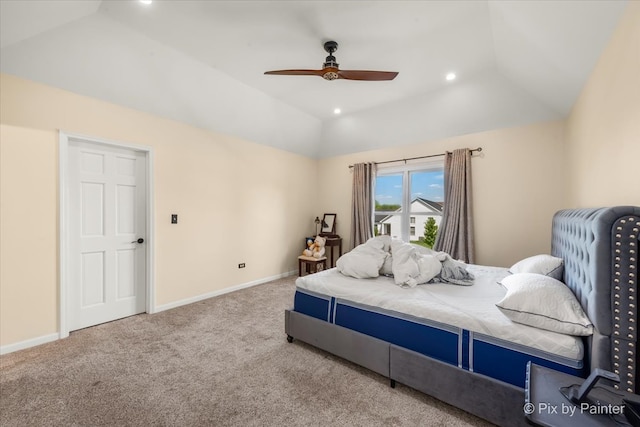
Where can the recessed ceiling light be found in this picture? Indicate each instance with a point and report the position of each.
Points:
(146, 1)
(451, 76)
(337, 111)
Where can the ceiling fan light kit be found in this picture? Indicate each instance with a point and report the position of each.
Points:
(331, 69)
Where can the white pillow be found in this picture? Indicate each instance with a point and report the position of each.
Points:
(545, 303)
(540, 264)
(363, 262)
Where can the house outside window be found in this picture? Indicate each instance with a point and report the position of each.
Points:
(386, 229)
(420, 187)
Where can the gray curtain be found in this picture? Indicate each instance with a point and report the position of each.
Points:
(362, 203)
(455, 234)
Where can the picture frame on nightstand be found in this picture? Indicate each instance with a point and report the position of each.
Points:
(328, 224)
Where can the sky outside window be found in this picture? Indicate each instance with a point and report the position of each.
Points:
(427, 185)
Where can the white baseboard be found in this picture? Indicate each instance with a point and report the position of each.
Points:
(208, 295)
(10, 348)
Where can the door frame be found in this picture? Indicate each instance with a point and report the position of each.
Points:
(64, 139)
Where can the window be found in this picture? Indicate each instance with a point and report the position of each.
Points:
(406, 197)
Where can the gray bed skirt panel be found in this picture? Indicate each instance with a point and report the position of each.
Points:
(493, 400)
(364, 350)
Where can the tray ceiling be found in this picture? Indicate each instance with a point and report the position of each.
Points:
(202, 62)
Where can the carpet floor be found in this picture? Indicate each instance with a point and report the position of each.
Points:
(224, 361)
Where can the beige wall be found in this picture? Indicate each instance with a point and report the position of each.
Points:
(517, 185)
(235, 200)
(603, 130)
(28, 226)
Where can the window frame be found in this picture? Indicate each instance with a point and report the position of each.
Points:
(406, 170)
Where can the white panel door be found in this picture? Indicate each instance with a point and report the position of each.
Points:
(107, 223)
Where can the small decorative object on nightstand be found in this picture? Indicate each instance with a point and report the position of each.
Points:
(328, 224)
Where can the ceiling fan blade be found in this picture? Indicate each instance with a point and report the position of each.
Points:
(367, 75)
(296, 72)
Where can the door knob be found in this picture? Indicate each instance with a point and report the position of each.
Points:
(140, 240)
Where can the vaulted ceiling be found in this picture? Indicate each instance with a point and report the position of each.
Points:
(202, 63)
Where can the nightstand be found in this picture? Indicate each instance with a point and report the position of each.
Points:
(545, 405)
(311, 264)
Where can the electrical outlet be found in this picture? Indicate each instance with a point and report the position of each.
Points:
(174, 218)
(241, 265)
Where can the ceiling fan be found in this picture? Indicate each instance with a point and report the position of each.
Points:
(330, 70)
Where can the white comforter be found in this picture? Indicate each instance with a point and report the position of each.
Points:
(468, 307)
(410, 265)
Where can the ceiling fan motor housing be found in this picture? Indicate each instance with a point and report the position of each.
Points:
(330, 61)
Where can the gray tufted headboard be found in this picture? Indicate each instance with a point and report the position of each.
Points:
(600, 252)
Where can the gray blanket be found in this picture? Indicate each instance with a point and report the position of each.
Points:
(454, 272)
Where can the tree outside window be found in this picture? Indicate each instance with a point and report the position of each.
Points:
(430, 231)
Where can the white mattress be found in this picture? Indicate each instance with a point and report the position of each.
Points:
(467, 307)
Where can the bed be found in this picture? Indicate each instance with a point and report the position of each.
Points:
(478, 363)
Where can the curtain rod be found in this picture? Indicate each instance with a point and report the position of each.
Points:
(479, 149)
